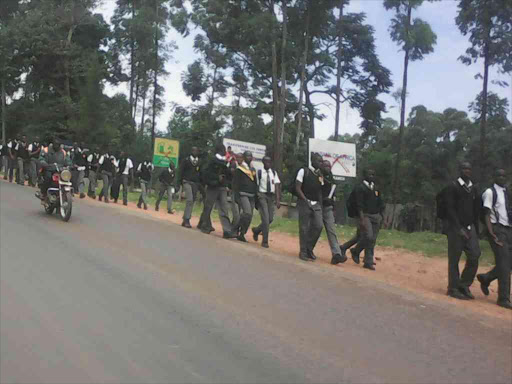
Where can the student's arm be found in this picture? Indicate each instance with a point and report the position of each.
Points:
(487, 204)
(298, 187)
(451, 214)
(277, 182)
(360, 206)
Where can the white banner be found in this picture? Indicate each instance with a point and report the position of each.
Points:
(342, 156)
(258, 151)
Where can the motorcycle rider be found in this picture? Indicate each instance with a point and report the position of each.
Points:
(53, 154)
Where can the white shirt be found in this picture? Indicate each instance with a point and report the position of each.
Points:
(463, 183)
(9, 144)
(300, 179)
(500, 206)
(102, 158)
(149, 165)
(369, 185)
(265, 175)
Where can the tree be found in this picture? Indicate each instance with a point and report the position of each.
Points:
(416, 39)
(489, 25)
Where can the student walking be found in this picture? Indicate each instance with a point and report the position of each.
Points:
(308, 187)
(498, 220)
(93, 165)
(463, 204)
(189, 177)
(236, 160)
(23, 159)
(269, 197)
(125, 169)
(166, 179)
(245, 189)
(144, 171)
(106, 170)
(34, 150)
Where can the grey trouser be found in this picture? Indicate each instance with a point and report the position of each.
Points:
(107, 179)
(34, 168)
(471, 247)
(310, 225)
(247, 209)
(330, 229)
(143, 193)
(352, 241)
(503, 257)
(163, 189)
(235, 211)
(80, 181)
(20, 175)
(92, 183)
(266, 208)
(214, 195)
(5, 165)
(124, 182)
(190, 189)
(12, 166)
(368, 237)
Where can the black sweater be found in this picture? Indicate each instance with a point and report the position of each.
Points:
(243, 183)
(462, 206)
(166, 177)
(189, 172)
(211, 175)
(367, 200)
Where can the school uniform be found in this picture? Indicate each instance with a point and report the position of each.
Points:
(328, 190)
(310, 219)
(369, 201)
(144, 171)
(34, 150)
(23, 161)
(106, 170)
(501, 220)
(124, 167)
(463, 204)
(80, 166)
(216, 193)
(190, 177)
(245, 189)
(11, 157)
(166, 179)
(268, 181)
(5, 160)
(235, 209)
(92, 164)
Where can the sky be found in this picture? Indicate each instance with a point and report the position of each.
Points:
(438, 82)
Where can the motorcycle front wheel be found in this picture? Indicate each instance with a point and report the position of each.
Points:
(66, 206)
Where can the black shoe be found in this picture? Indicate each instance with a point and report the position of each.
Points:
(125, 203)
(157, 208)
(456, 294)
(100, 198)
(255, 234)
(115, 201)
(337, 259)
(466, 292)
(206, 231)
(265, 245)
(82, 195)
(355, 256)
(170, 211)
(241, 238)
(304, 256)
(311, 255)
(139, 206)
(505, 304)
(145, 207)
(369, 266)
(230, 235)
(186, 224)
(484, 286)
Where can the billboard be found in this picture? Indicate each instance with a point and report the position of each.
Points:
(258, 150)
(341, 155)
(166, 151)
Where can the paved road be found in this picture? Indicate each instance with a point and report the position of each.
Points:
(117, 297)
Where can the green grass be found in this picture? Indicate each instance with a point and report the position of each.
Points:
(427, 243)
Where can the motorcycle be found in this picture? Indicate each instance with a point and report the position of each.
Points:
(60, 193)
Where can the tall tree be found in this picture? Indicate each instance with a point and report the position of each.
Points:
(416, 39)
(489, 25)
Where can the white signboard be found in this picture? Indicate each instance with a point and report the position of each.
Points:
(342, 156)
(258, 151)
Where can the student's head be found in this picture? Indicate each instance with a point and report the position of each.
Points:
(326, 166)
(171, 165)
(267, 162)
(369, 174)
(500, 177)
(123, 155)
(75, 145)
(229, 149)
(248, 157)
(465, 170)
(220, 149)
(18, 137)
(239, 158)
(316, 160)
(24, 138)
(195, 151)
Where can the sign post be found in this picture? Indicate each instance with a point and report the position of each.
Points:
(342, 156)
(258, 150)
(166, 151)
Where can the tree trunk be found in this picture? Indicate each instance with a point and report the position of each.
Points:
(283, 72)
(302, 77)
(132, 71)
(483, 118)
(338, 75)
(136, 104)
(396, 182)
(67, 86)
(276, 153)
(143, 110)
(311, 111)
(4, 111)
(155, 82)
(212, 97)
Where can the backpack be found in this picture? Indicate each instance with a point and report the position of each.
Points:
(291, 186)
(351, 204)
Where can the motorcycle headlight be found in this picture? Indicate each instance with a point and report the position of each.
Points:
(65, 175)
